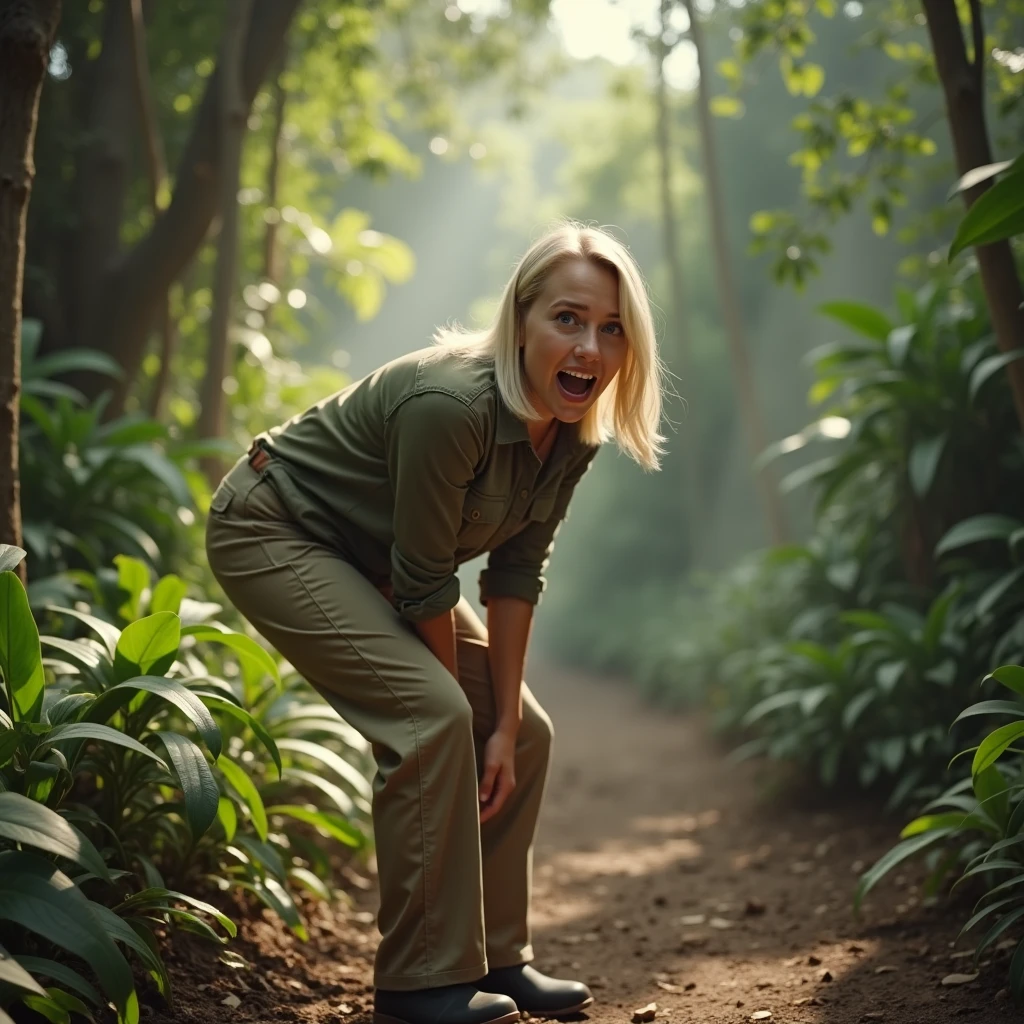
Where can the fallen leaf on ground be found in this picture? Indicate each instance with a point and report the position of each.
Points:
(761, 1015)
(720, 923)
(233, 1001)
(668, 986)
(886, 969)
(689, 920)
(959, 979)
(645, 1013)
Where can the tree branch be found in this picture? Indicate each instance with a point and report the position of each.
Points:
(132, 289)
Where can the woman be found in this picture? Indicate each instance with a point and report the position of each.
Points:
(338, 538)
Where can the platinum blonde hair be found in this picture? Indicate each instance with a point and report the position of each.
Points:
(629, 410)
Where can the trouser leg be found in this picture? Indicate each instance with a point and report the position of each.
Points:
(506, 839)
(347, 641)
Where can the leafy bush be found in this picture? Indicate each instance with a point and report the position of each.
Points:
(130, 760)
(979, 824)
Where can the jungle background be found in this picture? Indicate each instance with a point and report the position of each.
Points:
(214, 214)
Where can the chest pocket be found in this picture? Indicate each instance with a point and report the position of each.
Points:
(543, 505)
(482, 515)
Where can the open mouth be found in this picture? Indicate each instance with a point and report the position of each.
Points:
(575, 385)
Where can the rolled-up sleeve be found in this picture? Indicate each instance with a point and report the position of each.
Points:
(434, 442)
(516, 568)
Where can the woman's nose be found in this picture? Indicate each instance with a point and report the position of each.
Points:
(587, 346)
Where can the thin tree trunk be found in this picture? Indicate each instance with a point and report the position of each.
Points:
(102, 174)
(271, 250)
(131, 291)
(234, 110)
(27, 29)
(693, 503)
(963, 83)
(156, 174)
(728, 297)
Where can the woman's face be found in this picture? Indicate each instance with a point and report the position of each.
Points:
(573, 340)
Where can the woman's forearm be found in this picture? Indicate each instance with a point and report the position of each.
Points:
(438, 634)
(509, 620)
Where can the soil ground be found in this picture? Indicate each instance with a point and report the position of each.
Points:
(663, 874)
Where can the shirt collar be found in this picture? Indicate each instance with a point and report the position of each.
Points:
(510, 428)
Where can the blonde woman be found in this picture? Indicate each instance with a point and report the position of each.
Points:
(338, 538)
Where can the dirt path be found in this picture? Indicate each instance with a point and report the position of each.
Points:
(665, 875)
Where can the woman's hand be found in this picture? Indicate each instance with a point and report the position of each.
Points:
(499, 777)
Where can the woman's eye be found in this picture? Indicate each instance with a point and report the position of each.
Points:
(617, 328)
(569, 315)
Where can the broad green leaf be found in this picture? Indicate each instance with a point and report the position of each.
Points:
(311, 882)
(132, 934)
(978, 175)
(896, 855)
(988, 368)
(228, 817)
(264, 854)
(33, 824)
(67, 708)
(133, 578)
(998, 929)
(11, 557)
(773, 703)
(167, 594)
(76, 360)
(252, 656)
(10, 740)
(992, 707)
(993, 797)
(36, 896)
(148, 647)
(994, 745)
(61, 972)
(159, 897)
(93, 731)
(229, 708)
(1011, 676)
(923, 463)
(1008, 583)
(14, 973)
(158, 465)
(977, 529)
(21, 659)
(334, 792)
(332, 824)
(196, 778)
(276, 897)
(247, 790)
(48, 1008)
(169, 690)
(953, 820)
(997, 213)
(347, 771)
(863, 319)
(106, 631)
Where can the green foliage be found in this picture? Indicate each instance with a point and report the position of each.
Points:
(998, 213)
(127, 758)
(978, 823)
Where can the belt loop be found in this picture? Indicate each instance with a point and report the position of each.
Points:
(259, 457)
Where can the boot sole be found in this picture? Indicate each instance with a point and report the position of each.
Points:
(566, 1010)
(384, 1018)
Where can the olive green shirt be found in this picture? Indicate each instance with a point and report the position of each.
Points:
(422, 466)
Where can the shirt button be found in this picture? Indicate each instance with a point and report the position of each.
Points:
(475, 514)
(524, 494)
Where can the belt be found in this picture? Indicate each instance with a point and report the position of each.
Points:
(259, 457)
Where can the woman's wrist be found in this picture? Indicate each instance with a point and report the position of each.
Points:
(509, 724)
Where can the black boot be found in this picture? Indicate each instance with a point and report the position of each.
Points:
(450, 1004)
(536, 992)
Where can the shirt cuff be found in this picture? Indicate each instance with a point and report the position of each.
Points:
(511, 583)
(442, 600)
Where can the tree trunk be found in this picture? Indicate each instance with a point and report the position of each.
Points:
(271, 250)
(693, 504)
(156, 168)
(27, 28)
(102, 174)
(728, 297)
(963, 83)
(133, 288)
(234, 111)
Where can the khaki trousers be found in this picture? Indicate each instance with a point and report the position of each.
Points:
(454, 895)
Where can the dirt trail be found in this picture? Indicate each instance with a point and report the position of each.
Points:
(663, 874)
